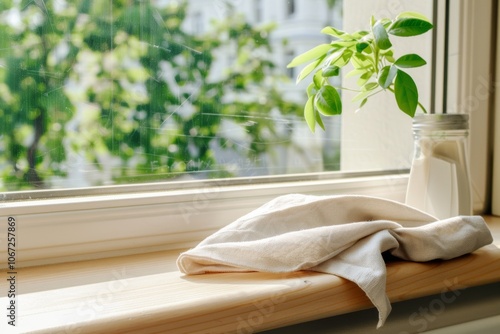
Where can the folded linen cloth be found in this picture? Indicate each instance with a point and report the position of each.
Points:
(340, 235)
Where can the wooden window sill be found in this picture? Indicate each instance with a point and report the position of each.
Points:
(145, 293)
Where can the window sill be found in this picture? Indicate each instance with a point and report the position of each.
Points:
(98, 226)
(145, 293)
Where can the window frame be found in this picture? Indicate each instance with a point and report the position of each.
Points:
(95, 226)
(475, 91)
(495, 135)
(291, 8)
(66, 225)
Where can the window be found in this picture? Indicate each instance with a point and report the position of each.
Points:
(198, 27)
(291, 73)
(148, 92)
(258, 10)
(290, 7)
(136, 102)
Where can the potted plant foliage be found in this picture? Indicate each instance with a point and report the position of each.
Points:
(374, 62)
(439, 182)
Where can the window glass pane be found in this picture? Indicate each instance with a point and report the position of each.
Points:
(99, 92)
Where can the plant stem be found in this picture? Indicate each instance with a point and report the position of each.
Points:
(348, 89)
(375, 93)
(422, 107)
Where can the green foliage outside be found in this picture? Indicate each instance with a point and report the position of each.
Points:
(121, 81)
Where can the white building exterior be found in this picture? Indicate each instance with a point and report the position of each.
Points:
(298, 23)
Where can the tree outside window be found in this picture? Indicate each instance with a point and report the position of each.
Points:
(99, 92)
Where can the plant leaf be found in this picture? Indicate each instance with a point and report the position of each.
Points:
(409, 26)
(414, 15)
(406, 93)
(389, 56)
(385, 22)
(363, 79)
(327, 101)
(381, 36)
(315, 53)
(360, 61)
(354, 73)
(336, 33)
(343, 44)
(344, 60)
(361, 96)
(331, 71)
(369, 86)
(361, 46)
(339, 58)
(359, 34)
(319, 120)
(410, 60)
(318, 79)
(309, 113)
(311, 90)
(309, 68)
(362, 103)
(386, 76)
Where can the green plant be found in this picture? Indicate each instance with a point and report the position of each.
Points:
(372, 56)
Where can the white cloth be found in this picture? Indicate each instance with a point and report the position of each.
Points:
(339, 235)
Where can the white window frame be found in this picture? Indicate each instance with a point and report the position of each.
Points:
(110, 221)
(96, 226)
(475, 91)
(495, 135)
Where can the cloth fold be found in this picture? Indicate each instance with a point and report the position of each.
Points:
(340, 235)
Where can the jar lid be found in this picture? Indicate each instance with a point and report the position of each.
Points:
(441, 122)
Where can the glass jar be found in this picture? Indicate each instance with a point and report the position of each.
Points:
(439, 182)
